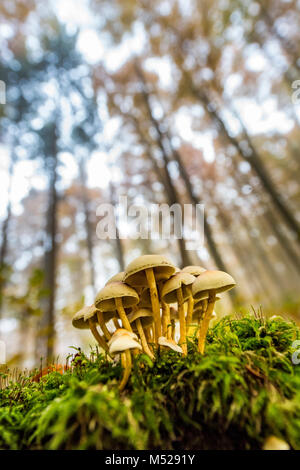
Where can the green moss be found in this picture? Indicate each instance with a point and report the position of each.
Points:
(244, 389)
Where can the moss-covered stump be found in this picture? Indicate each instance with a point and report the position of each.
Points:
(243, 390)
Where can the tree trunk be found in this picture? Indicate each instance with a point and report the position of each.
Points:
(88, 224)
(253, 158)
(118, 241)
(45, 341)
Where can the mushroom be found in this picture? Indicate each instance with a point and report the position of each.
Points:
(81, 322)
(140, 319)
(195, 271)
(114, 297)
(117, 277)
(146, 271)
(102, 318)
(169, 343)
(121, 342)
(210, 282)
(120, 332)
(177, 289)
(174, 317)
(274, 443)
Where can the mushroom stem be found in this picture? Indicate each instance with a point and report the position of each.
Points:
(103, 325)
(155, 303)
(166, 319)
(97, 336)
(143, 338)
(205, 322)
(181, 314)
(122, 314)
(173, 329)
(189, 316)
(127, 358)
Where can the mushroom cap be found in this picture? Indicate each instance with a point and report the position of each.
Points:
(140, 313)
(179, 280)
(169, 343)
(116, 277)
(135, 271)
(144, 314)
(90, 313)
(194, 270)
(121, 332)
(274, 443)
(122, 343)
(218, 281)
(79, 321)
(105, 300)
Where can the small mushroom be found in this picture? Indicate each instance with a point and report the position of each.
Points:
(80, 321)
(211, 283)
(177, 289)
(195, 271)
(122, 342)
(169, 343)
(140, 320)
(114, 297)
(146, 271)
(274, 443)
(102, 318)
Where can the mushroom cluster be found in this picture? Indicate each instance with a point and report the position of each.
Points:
(145, 302)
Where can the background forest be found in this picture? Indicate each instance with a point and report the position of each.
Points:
(169, 101)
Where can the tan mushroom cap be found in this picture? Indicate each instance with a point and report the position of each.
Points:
(91, 314)
(169, 343)
(179, 280)
(78, 320)
(144, 314)
(274, 443)
(135, 271)
(105, 300)
(140, 313)
(219, 281)
(122, 332)
(194, 270)
(123, 342)
(117, 277)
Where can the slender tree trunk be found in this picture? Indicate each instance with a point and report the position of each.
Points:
(118, 241)
(46, 339)
(253, 158)
(88, 224)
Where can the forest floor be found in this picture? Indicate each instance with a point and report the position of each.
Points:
(242, 391)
